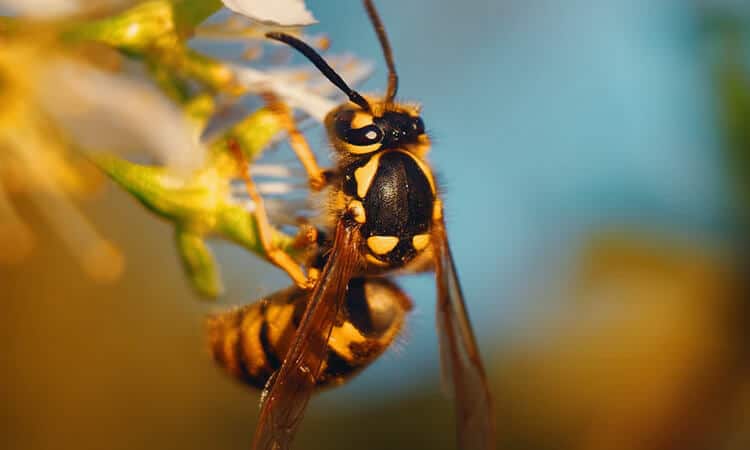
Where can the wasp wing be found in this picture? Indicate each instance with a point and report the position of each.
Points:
(463, 372)
(290, 389)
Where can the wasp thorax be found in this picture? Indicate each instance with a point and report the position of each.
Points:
(360, 132)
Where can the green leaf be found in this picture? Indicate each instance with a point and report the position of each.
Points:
(234, 223)
(194, 199)
(199, 262)
(136, 29)
(253, 134)
(199, 206)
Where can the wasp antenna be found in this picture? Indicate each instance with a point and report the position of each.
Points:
(322, 65)
(386, 46)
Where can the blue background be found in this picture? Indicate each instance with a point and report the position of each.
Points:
(549, 119)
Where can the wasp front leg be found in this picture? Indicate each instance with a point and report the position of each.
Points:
(306, 237)
(316, 176)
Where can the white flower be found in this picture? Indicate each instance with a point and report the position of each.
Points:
(274, 12)
(305, 88)
(115, 112)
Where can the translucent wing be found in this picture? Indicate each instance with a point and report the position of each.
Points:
(291, 387)
(463, 372)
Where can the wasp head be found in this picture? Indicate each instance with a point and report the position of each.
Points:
(385, 126)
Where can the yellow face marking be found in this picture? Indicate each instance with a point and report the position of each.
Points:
(358, 211)
(361, 149)
(365, 174)
(420, 241)
(361, 119)
(380, 245)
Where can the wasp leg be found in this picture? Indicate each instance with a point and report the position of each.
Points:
(306, 236)
(265, 232)
(316, 176)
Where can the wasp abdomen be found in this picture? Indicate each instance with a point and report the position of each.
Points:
(398, 199)
(242, 339)
(250, 342)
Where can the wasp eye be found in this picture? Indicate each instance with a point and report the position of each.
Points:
(418, 125)
(368, 135)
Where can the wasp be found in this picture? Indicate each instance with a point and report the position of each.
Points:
(385, 215)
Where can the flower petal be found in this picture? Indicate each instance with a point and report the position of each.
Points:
(109, 111)
(295, 94)
(98, 257)
(309, 95)
(275, 12)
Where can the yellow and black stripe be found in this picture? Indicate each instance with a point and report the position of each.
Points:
(250, 342)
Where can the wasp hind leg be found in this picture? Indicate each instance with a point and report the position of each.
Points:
(306, 237)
